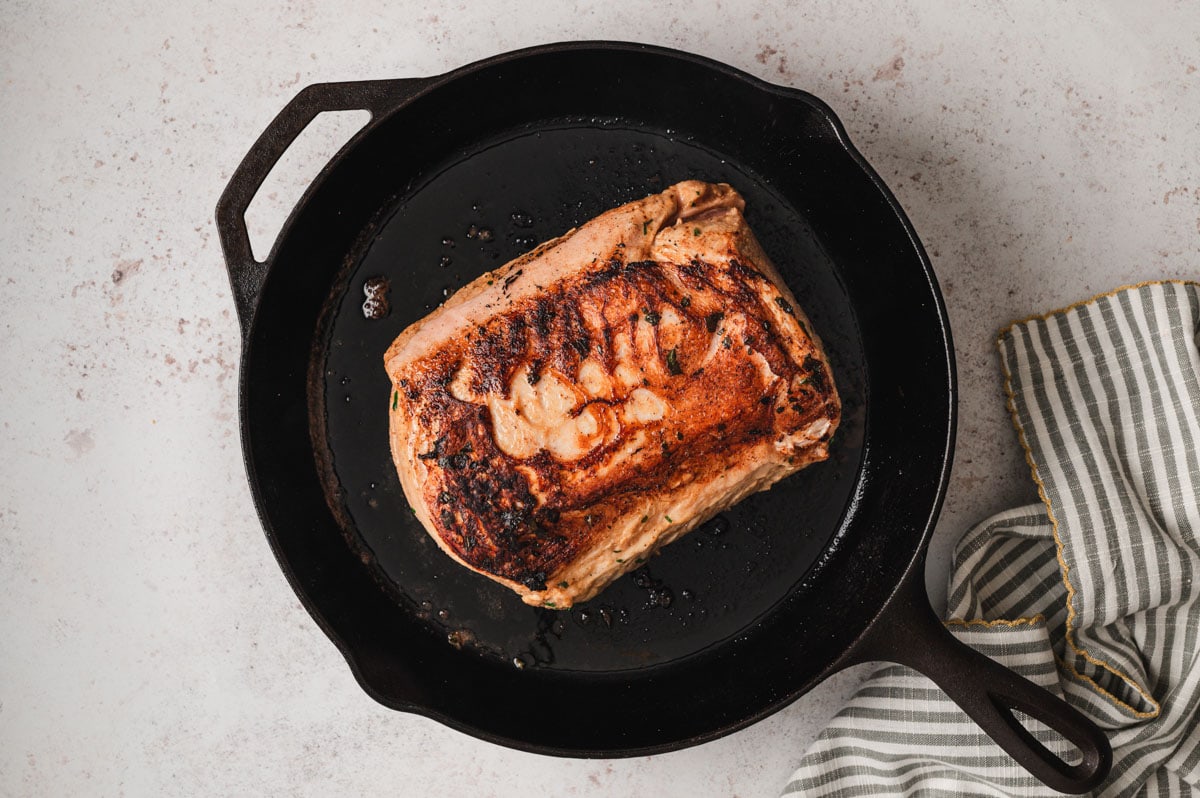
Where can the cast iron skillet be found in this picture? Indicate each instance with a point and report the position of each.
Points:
(727, 625)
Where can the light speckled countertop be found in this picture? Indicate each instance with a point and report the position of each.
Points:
(1044, 152)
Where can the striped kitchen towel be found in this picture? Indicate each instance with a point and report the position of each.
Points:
(1094, 594)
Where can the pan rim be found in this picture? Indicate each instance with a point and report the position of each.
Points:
(917, 559)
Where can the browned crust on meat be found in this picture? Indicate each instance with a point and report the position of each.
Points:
(731, 356)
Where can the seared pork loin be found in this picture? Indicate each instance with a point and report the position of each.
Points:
(560, 419)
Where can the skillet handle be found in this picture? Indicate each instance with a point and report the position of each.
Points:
(909, 633)
(246, 274)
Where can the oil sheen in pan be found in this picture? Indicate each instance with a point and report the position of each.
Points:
(477, 211)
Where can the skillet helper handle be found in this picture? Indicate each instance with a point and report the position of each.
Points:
(246, 274)
(912, 635)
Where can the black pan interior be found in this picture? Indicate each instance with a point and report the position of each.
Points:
(648, 684)
(482, 206)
